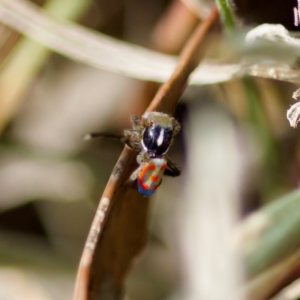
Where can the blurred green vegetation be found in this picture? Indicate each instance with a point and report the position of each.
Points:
(51, 180)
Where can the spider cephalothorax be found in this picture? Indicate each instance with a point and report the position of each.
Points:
(159, 132)
(153, 133)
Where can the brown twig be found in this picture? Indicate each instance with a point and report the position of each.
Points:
(169, 93)
(119, 229)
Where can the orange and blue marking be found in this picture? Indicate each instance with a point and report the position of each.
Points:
(150, 176)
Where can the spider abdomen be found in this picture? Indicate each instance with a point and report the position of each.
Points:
(150, 176)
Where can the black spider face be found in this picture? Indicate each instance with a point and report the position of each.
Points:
(157, 139)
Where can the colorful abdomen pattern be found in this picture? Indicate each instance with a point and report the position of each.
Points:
(150, 176)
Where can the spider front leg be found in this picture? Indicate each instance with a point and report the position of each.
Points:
(136, 122)
(177, 127)
(134, 135)
(143, 157)
(172, 169)
(111, 136)
(133, 139)
(135, 174)
(125, 139)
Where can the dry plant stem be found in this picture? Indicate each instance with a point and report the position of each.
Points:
(167, 96)
(8, 39)
(288, 282)
(119, 229)
(168, 36)
(274, 279)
